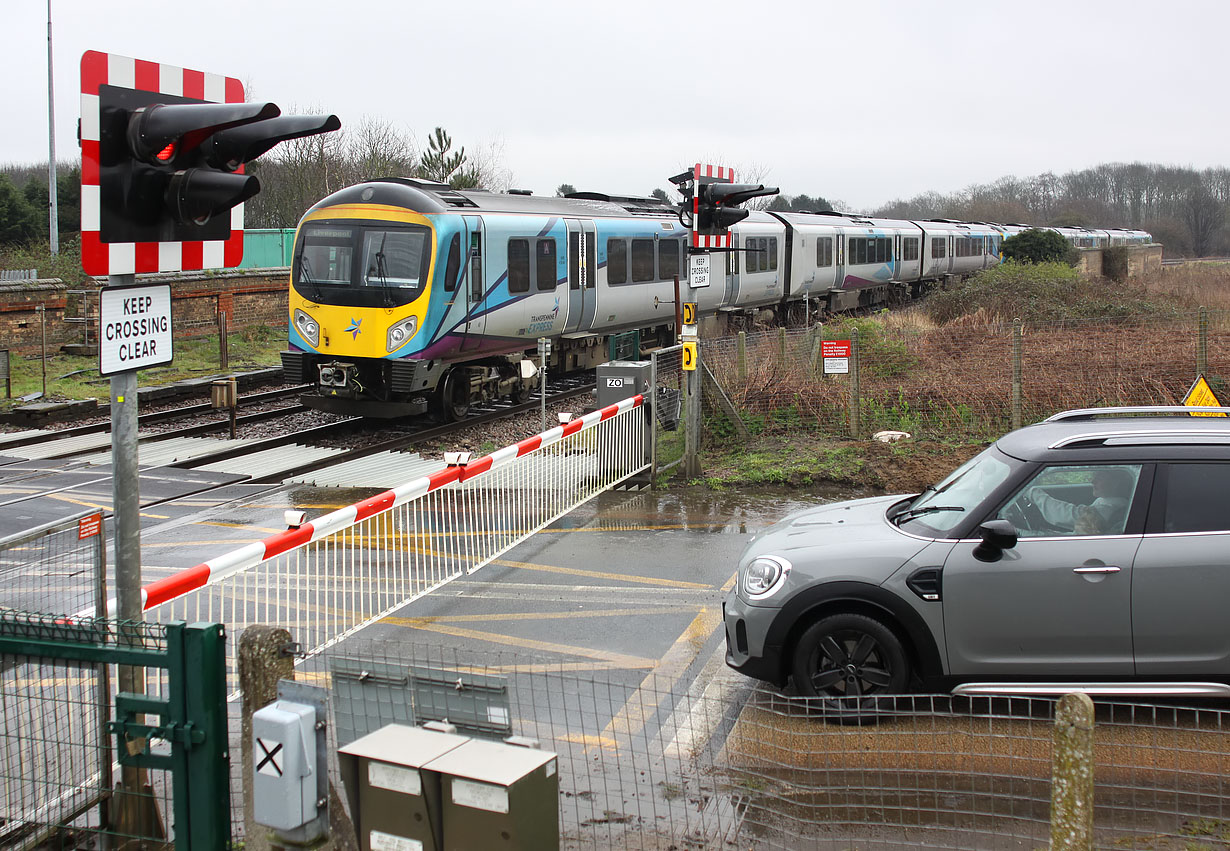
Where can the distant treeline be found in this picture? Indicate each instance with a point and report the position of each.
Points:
(1184, 209)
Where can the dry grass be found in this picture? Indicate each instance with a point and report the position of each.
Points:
(954, 381)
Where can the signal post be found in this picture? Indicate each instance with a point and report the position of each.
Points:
(709, 209)
(162, 190)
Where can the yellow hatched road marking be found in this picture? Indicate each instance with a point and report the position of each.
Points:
(597, 574)
(546, 616)
(623, 660)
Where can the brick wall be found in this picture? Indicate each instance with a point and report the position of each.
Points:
(248, 297)
(1142, 260)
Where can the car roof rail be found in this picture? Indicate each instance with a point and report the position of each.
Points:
(1146, 437)
(1144, 410)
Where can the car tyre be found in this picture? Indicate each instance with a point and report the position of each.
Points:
(854, 663)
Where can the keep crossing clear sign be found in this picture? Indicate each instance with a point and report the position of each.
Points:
(134, 328)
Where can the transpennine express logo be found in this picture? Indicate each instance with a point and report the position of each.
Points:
(353, 328)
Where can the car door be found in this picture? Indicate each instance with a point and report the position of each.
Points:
(1056, 605)
(1181, 579)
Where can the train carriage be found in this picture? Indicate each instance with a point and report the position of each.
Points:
(408, 296)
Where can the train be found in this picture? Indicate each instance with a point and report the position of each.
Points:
(410, 297)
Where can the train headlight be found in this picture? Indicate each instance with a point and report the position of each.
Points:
(308, 327)
(400, 333)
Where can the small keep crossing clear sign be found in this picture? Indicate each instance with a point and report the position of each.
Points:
(698, 270)
(134, 329)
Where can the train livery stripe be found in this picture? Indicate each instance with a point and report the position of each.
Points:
(169, 588)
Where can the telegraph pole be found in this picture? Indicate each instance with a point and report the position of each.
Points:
(54, 227)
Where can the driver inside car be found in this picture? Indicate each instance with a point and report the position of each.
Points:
(1105, 515)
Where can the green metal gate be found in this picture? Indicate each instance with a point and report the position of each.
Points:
(59, 737)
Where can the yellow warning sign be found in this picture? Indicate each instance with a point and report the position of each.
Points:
(1202, 396)
(689, 356)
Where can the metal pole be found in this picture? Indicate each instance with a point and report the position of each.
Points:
(691, 434)
(653, 418)
(42, 324)
(854, 389)
(1018, 380)
(51, 145)
(544, 346)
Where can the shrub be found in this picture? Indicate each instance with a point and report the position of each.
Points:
(1115, 264)
(1036, 246)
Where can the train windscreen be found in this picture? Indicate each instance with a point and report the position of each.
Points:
(361, 265)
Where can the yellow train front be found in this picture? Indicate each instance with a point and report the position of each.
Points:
(386, 320)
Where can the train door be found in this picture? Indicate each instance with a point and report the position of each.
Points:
(730, 260)
(839, 260)
(582, 275)
(473, 282)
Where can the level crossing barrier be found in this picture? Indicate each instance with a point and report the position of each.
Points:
(330, 577)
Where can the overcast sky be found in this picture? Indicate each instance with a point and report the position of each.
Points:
(863, 102)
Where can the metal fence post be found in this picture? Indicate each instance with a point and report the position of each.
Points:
(1202, 343)
(854, 392)
(1072, 775)
(263, 661)
(1017, 380)
(653, 418)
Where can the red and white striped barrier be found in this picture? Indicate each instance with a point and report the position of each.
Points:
(172, 587)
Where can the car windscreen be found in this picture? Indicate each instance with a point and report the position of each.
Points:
(358, 264)
(939, 509)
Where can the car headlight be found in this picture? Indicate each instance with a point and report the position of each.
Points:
(401, 332)
(763, 576)
(308, 327)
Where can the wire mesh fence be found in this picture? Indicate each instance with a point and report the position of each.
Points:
(649, 761)
(57, 771)
(58, 567)
(957, 382)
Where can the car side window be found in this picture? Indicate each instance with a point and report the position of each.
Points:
(1196, 498)
(1067, 501)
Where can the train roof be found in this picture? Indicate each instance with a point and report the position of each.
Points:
(428, 197)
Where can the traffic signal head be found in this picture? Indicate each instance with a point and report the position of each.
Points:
(716, 209)
(162, 162)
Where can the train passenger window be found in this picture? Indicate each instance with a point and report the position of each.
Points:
(544, 269)
(754, 256)
(858, 251)
(773, 253)
(642, 260)
(937, 248)
(824, 251)
(454, 263)
(668, 259)
(909, 248)
(518, 265)
(616, 261)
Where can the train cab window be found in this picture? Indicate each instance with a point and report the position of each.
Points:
(453, 267)
(393, 258)
(642, 260)
(545, 273)
(824, 251)
(518, 265)
(668, 259)
(616, 261)
(909, 248)
(938, 248)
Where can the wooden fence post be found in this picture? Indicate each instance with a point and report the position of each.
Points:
(1072, 775)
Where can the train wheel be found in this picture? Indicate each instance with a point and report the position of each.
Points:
(451, 401)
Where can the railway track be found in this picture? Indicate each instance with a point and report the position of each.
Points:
(272, 459)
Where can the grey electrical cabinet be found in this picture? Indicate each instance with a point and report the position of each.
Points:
(501, 796)
(617, 380)
(394, 801)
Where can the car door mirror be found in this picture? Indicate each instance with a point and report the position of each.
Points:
(997, 536)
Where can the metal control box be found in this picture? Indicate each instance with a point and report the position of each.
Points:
(501, 796)
(394, 801)
(617, 380)
(284, 765)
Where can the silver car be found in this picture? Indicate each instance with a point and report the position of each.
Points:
(1088, 551)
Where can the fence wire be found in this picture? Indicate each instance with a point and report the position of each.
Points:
(956, 382)
(649, 762)
(53, 568)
